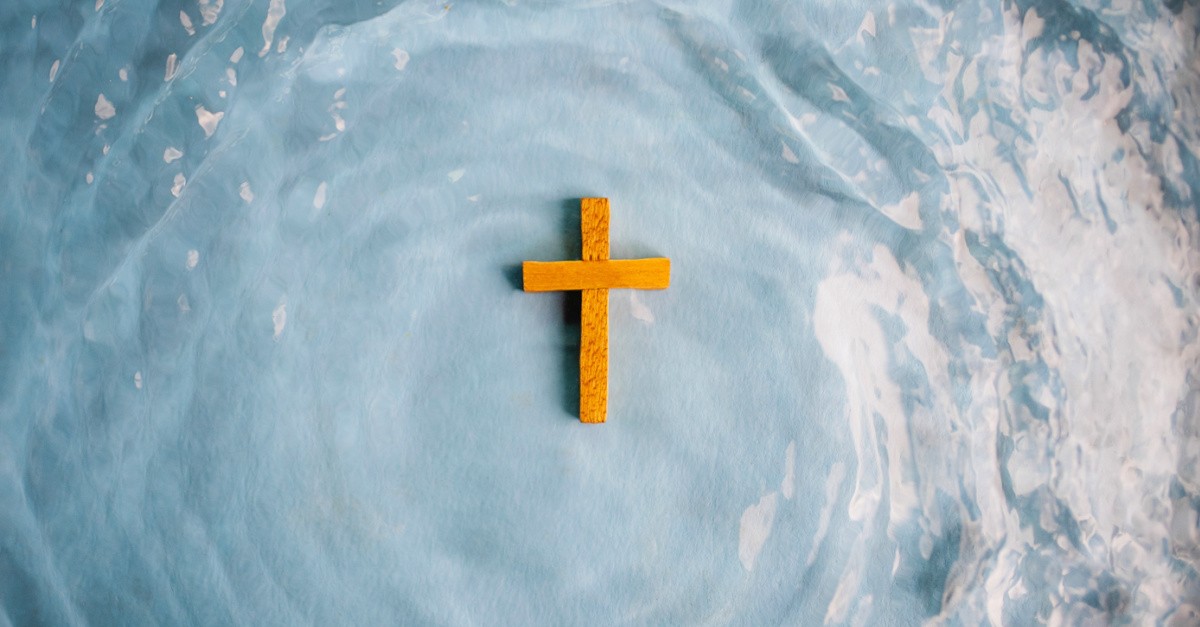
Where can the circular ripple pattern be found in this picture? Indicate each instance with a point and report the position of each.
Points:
(929, 354)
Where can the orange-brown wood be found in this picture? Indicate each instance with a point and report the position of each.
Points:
(593, 356)
(594, 275)
(593, 222)
(593, 316)
(557, 276)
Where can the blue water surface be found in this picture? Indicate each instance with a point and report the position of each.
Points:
(929, 353)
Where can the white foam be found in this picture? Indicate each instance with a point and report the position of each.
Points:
(867, 27)
(906, 213)
(319, 197)
(104, 109)
(279, 317)
(638, 309)
(789, 156)
(275, 12)
(833, 484)
(401, 57)
(210, 10)
(754, 529)
(208, 120)
(838, 93)
(788, 487)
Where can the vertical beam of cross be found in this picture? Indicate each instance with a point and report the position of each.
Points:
(594, 275)
(593, 316)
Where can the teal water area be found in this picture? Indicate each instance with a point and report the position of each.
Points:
(929, 352)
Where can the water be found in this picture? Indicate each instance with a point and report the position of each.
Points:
(929, 352)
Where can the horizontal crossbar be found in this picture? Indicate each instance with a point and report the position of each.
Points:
(553, 276)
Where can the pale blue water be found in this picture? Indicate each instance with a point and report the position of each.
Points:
(929, 352)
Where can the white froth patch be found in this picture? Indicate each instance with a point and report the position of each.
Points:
(274, 13)
(279, 317)
(456, 175)
(123, 74)
(833, 484)
(339, 123)
(838, 93)
(182, 302)
(847, 596)
(172, 62)
(1111, 331)
(171, 154)
(104, 109)
(1034, 25)
(137, 379)
(401, 58)
(177, 185)
(867, 27)
(54, 70)
(210, 10)
(910, 452)
(89, 177)
(1114, 341)
(193, 258)
(639, 309)
(788, 487)
(844, 598)
(208, 120)
(245, 192)
(237, 55)
(754, 529)
(187, 23)
(970, 78)
(906, 213)
(319, 197)
(788, 155)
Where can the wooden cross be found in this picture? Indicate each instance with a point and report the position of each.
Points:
(594, 276)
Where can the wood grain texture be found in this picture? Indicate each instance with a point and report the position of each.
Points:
(593, 276)
(593, 356)
(593, 221)
(555, 276)
(593, 316)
